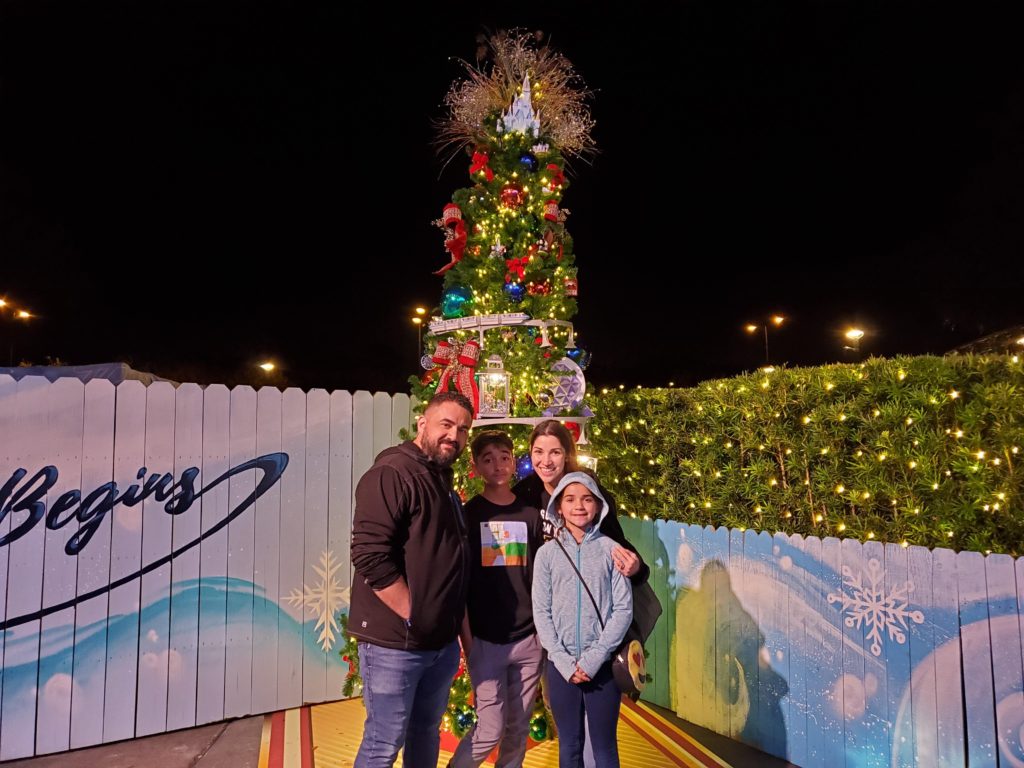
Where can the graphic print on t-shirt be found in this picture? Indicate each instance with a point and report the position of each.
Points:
(503, 542)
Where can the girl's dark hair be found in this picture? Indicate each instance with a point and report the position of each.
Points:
(558, 430)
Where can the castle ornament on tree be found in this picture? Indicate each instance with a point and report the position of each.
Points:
(502, 333)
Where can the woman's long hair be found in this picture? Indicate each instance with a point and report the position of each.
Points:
(558, 430)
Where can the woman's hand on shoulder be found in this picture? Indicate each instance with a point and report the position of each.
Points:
(627, 563)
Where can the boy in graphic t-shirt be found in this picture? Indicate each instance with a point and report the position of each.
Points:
(503, 653)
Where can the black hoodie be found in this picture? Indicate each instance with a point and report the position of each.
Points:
(408, 523)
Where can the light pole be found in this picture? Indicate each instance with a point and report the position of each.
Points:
(17, 314)
(751, 328)
(417, 320)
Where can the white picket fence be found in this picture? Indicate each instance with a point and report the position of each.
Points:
(172, 614)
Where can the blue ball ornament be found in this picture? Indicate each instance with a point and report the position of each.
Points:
(514, 291)
(529, 161)
(580, 356)
(456, 302)
(523, 466)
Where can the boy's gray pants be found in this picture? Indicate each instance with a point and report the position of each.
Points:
(505, 679)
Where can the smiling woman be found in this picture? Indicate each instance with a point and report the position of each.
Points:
(553, 453)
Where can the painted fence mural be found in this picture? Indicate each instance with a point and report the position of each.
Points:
(833, 653)
(177, 556)
(172, 556)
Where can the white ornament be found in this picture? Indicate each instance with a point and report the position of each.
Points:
(498, 250)
(324, 600)
(521, 116)
(868, 605)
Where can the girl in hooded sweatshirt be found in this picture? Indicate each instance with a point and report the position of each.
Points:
(579, 641)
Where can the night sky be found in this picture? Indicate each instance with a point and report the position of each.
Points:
(192, 186)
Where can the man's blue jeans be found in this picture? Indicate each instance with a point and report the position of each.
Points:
(405, 694)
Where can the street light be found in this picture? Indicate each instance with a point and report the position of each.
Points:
(751, 328)
(853, 336)
(267, 366)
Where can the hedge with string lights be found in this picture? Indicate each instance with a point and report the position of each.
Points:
(914, 450)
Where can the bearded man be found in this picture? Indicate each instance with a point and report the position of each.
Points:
(410, 553)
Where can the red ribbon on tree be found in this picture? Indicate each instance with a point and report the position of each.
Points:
(516, 268)
(455, 236)
(480, 163)
(557, 177)
(458, 360)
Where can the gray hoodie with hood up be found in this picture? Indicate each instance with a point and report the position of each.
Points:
(564, 616)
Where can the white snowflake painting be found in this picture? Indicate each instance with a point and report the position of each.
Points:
(324, 599)
(868, 605)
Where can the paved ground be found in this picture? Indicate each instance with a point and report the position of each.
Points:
(236, 744)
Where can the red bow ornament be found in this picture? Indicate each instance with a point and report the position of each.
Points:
(458, 360)
(480, 163)
(516, 268)
(557, 177)
(455, 236)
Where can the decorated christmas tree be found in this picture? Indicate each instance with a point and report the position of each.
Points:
(502, 333)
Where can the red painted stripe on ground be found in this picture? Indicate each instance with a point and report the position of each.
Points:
(306, 736)
(277, 740)
(657, 745)
(681, 741)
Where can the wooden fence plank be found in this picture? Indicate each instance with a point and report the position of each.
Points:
(731, 625)
(749, 638)
(777, 641)
(241, 541)
(897, 656)
(383, 435)
(266, 559)
(794, 565)
(65, 423)
(183, 655)
(818, 659)
(292, 536)
(339, 523)
(944, 720)
(21, 651)
(1004, 631)
(687, 696)
(90, 666)
(922, 662)
(977, 659)
(318, 435)
(154, 606)
(832, 713)
(213, 556)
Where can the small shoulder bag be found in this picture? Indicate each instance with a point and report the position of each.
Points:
(629, 666)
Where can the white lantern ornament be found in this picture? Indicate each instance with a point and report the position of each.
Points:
(492, 384)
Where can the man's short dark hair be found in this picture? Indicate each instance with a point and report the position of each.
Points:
(451, 397)
(490, 437)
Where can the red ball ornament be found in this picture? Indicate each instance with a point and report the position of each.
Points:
(574, 430)
(551, 210)
(539, 289)
(512, 195)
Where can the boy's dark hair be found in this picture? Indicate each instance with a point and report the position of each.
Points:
(451, 397)
(488, 438)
